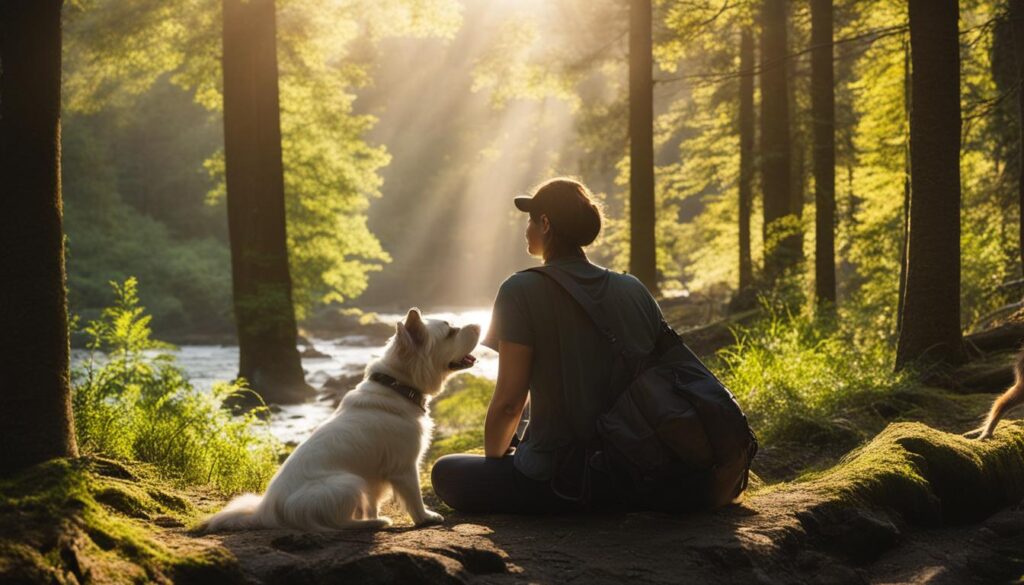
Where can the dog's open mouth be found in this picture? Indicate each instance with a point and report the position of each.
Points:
(467, 361)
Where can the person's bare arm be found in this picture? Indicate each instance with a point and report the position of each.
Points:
(509, 399)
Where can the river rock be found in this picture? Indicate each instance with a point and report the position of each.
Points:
(332, 322)
(312, 352)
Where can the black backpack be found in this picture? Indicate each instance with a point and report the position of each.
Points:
(673, 439)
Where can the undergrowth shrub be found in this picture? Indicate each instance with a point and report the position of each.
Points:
(131, 401)
(791, 367)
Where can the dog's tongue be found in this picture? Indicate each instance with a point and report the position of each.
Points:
(467, 361)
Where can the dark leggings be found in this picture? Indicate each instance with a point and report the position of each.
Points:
(474, 483)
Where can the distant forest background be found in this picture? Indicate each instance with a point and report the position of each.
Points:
(430, 140)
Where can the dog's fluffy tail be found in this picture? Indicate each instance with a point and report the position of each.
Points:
(241, 513)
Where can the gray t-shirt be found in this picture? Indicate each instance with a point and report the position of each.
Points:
(574, 375)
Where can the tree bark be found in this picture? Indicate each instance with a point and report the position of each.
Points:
(781, 243)
(642, 252)
(746, 156)
(1016, 15)
(931, 305)
(35, 394)
(824, 124)
(905, 235)
(264, 314)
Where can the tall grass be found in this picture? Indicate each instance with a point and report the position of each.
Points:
(131, 401)
(792, 368)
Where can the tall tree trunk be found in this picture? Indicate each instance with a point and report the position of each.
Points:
(931, 305)
(797, 140)
(823, 116)
(781, 242)
(1016, 15)
(35, 394)
(264, 315)
(906, 188)
(746, 156)
(642, 253)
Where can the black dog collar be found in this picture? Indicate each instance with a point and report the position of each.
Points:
(411, 394)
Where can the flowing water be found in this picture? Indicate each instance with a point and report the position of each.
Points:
(207, 364)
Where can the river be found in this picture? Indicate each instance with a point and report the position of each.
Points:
(207, 364)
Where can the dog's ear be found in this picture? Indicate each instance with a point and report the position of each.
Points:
(413, 332)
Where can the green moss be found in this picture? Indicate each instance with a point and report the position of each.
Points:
(65, 522)
(172, 501)
(926, 475)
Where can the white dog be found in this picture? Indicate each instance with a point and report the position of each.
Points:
(374, 441)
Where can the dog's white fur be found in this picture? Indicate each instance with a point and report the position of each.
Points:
(370, 446)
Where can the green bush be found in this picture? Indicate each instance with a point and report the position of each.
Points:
(132, 402)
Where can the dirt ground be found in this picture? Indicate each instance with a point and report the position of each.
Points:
(770, 539)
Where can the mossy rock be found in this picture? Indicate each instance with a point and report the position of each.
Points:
(909, 474)
(920, 471)
(68, 521)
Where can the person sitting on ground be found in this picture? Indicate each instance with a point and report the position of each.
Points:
(552, 356)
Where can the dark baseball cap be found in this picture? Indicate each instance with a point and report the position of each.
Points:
(569, 208)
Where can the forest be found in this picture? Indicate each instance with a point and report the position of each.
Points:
(215, 213)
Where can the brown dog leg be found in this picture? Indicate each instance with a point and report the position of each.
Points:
(1013, 396)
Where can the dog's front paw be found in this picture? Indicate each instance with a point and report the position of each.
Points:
(430, 517)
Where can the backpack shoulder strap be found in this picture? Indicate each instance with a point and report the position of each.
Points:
(594, 310)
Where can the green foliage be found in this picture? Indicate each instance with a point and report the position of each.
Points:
(790, 368)
(506, 68)
(133, 205)
(696, 133)
(990, 244)
(117, 50)
(132, 402)
(188, 281)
